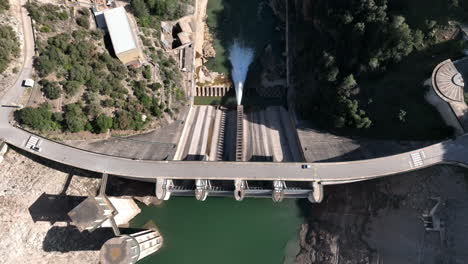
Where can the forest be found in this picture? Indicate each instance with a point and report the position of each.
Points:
(366, 55)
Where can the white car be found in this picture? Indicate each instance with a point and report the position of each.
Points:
(28, 83)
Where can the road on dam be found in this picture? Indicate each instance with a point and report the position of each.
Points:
(451, 151)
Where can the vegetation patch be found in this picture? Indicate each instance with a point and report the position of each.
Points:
(4, 5)
(87, 89)
(370, 60)
(150, 12)
(47, 16)
(9, 46)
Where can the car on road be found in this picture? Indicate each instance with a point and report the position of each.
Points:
(28, 83)
(305, 166)
(36, 148)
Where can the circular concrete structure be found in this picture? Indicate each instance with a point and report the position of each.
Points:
(448, 82)
(120, 250)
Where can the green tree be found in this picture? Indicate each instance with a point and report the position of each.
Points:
(40, 118)
(4, 5)
(103, 123)
(71, 87)
(50, 89)
(75, 119)
(9, 46)
(83, 21)
(147, 72)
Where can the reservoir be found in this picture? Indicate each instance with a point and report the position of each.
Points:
(222, 230)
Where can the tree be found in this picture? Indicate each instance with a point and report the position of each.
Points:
(140, 9)
(50, 89)
(71, 87)
(40, 118)
(147, 72)
(75, 119)
(9, 46)
(402, 115)
(103, 123)
(332, 74)
(83, 21)
(4, 5)
(123, 120)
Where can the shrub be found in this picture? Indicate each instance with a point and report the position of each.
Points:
(9, 46)
(51, 90)
(83, 21)
(102, 123)
(4, 5)
(71, 87)
(75, 119)
(147, 72)
(40, 118)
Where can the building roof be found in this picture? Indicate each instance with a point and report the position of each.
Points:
(120, 30)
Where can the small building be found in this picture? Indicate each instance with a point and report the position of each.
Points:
(123, 36)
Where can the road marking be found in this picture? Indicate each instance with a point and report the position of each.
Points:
(32, 141)
(417, 159)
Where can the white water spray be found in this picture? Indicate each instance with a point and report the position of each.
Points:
(241, 57)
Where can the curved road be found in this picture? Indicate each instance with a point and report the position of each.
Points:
(454, 152)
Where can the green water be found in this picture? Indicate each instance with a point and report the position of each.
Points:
(222, 230)
(251, 21)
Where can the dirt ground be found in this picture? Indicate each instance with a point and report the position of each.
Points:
(12, 18)
(34, 200)
(380, 221)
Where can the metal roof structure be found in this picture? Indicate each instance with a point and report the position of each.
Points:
(121, 33)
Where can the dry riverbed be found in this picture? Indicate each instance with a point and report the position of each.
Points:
(30, 191)
(380, 221)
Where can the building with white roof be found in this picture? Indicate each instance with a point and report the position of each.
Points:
(124, 39)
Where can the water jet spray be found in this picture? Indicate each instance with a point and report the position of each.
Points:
(241, 57)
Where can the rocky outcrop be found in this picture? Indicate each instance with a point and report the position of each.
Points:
(208, 49)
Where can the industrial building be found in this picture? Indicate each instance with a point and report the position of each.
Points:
(123, 37)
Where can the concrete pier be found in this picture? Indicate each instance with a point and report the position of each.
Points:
(128, 249)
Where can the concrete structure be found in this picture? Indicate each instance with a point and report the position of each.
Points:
(126, 209)
(92, 213)
(128, 249)
(211, 90)
(123, 36)
(447, 82)
(238, 174)
(177, 35)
